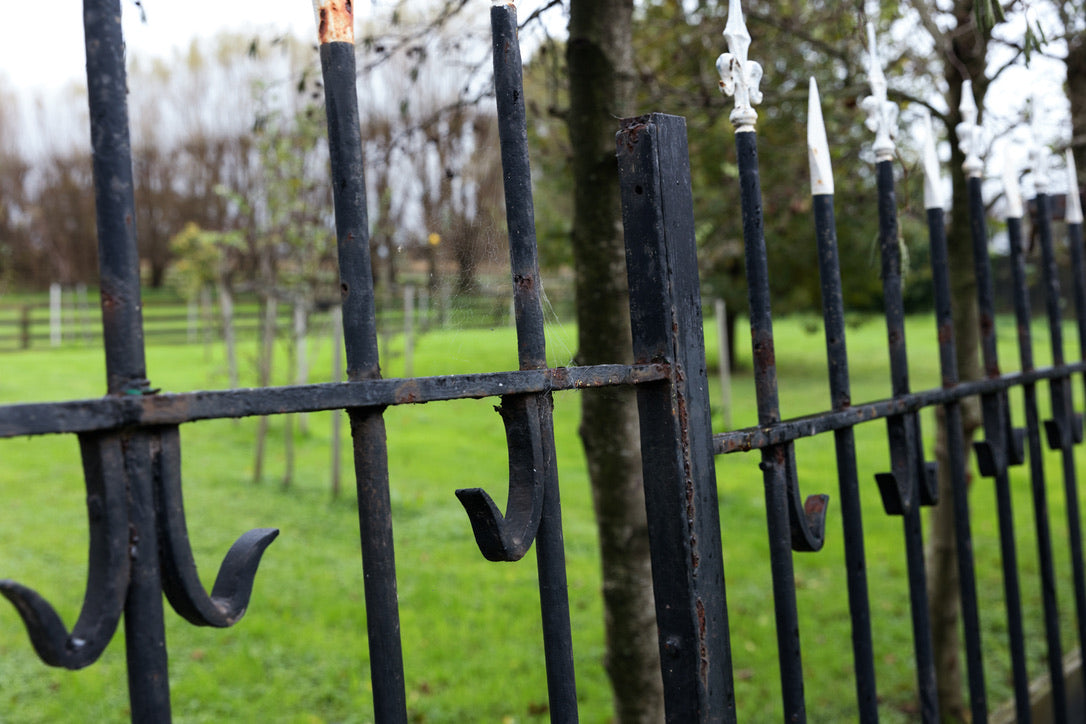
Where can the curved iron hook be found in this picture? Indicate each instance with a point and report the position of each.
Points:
(1015, 436)
(508, 538)
(1016, 444)
(808, 519)
(993, 458)
(233, 587)
(911, 479)
(896, 486)
(108, 566)
(1064, 433)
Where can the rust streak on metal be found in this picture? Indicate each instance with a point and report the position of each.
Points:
(814, 505)
(407, 393)
(336, 22)
(703, 649)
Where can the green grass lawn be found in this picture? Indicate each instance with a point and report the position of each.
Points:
(471, 632)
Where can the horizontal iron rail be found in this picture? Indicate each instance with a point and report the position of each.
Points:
(108, 413)
(756, 438)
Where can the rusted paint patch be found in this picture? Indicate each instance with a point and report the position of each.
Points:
(703, 649)
(815, 505)
(633, 128)
(335, 21)
(987, 324)
(408, 393)
(559, 376)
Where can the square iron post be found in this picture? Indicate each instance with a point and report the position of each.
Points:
(676, 431)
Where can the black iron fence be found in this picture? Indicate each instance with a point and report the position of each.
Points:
(129, 439)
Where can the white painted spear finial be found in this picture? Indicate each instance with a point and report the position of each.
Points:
(818, 147)
(881, 113)
(933, 198)
(739, 76)
(971, 137)
(1011, 190)
(1038, 152)
(1074, 201)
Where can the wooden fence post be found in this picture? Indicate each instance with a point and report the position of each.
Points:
(24, 326)
(55, 324)
(720, 311)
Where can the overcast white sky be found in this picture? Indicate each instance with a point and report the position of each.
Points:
(28, 61)
(43, 50)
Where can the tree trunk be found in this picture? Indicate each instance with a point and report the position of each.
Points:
(1076, 92)
(599, 55)
(301, 351)
(966, 60)
(226, 310)
(267, 351)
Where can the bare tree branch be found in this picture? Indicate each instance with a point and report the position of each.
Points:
(797, 29)
(390, 45)
(1019, 52)
(538, 13)
(927, 19)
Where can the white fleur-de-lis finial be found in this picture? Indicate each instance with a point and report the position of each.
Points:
(1074, 200)
(818, 147)
(1038, 153)
(881, 113)
(933, 198)
(739, 76)
(971, 137)
(1011, 191)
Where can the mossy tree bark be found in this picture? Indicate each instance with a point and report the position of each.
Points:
(965, 58)
(600, 63)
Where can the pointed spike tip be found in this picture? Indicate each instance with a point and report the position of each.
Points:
(1011, 189)
(1039, 153)
(881, 113)
(818, 147)
(932, 196)
(874, 66)
(1074, 200)
(968, 105)
(735, 31)
(971, 137)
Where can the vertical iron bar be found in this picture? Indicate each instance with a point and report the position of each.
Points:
(122, 325)
(1078, 266)
(1041, 521)
(899, 371)
(144, 626)
(833, 312)
(1062, 428)
(999, 443)
(948, 362)
(360, 339)
(774, 459)
(118, 256)
(1074, 240)
(676, 432)
(532, 354)
(517, 181)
